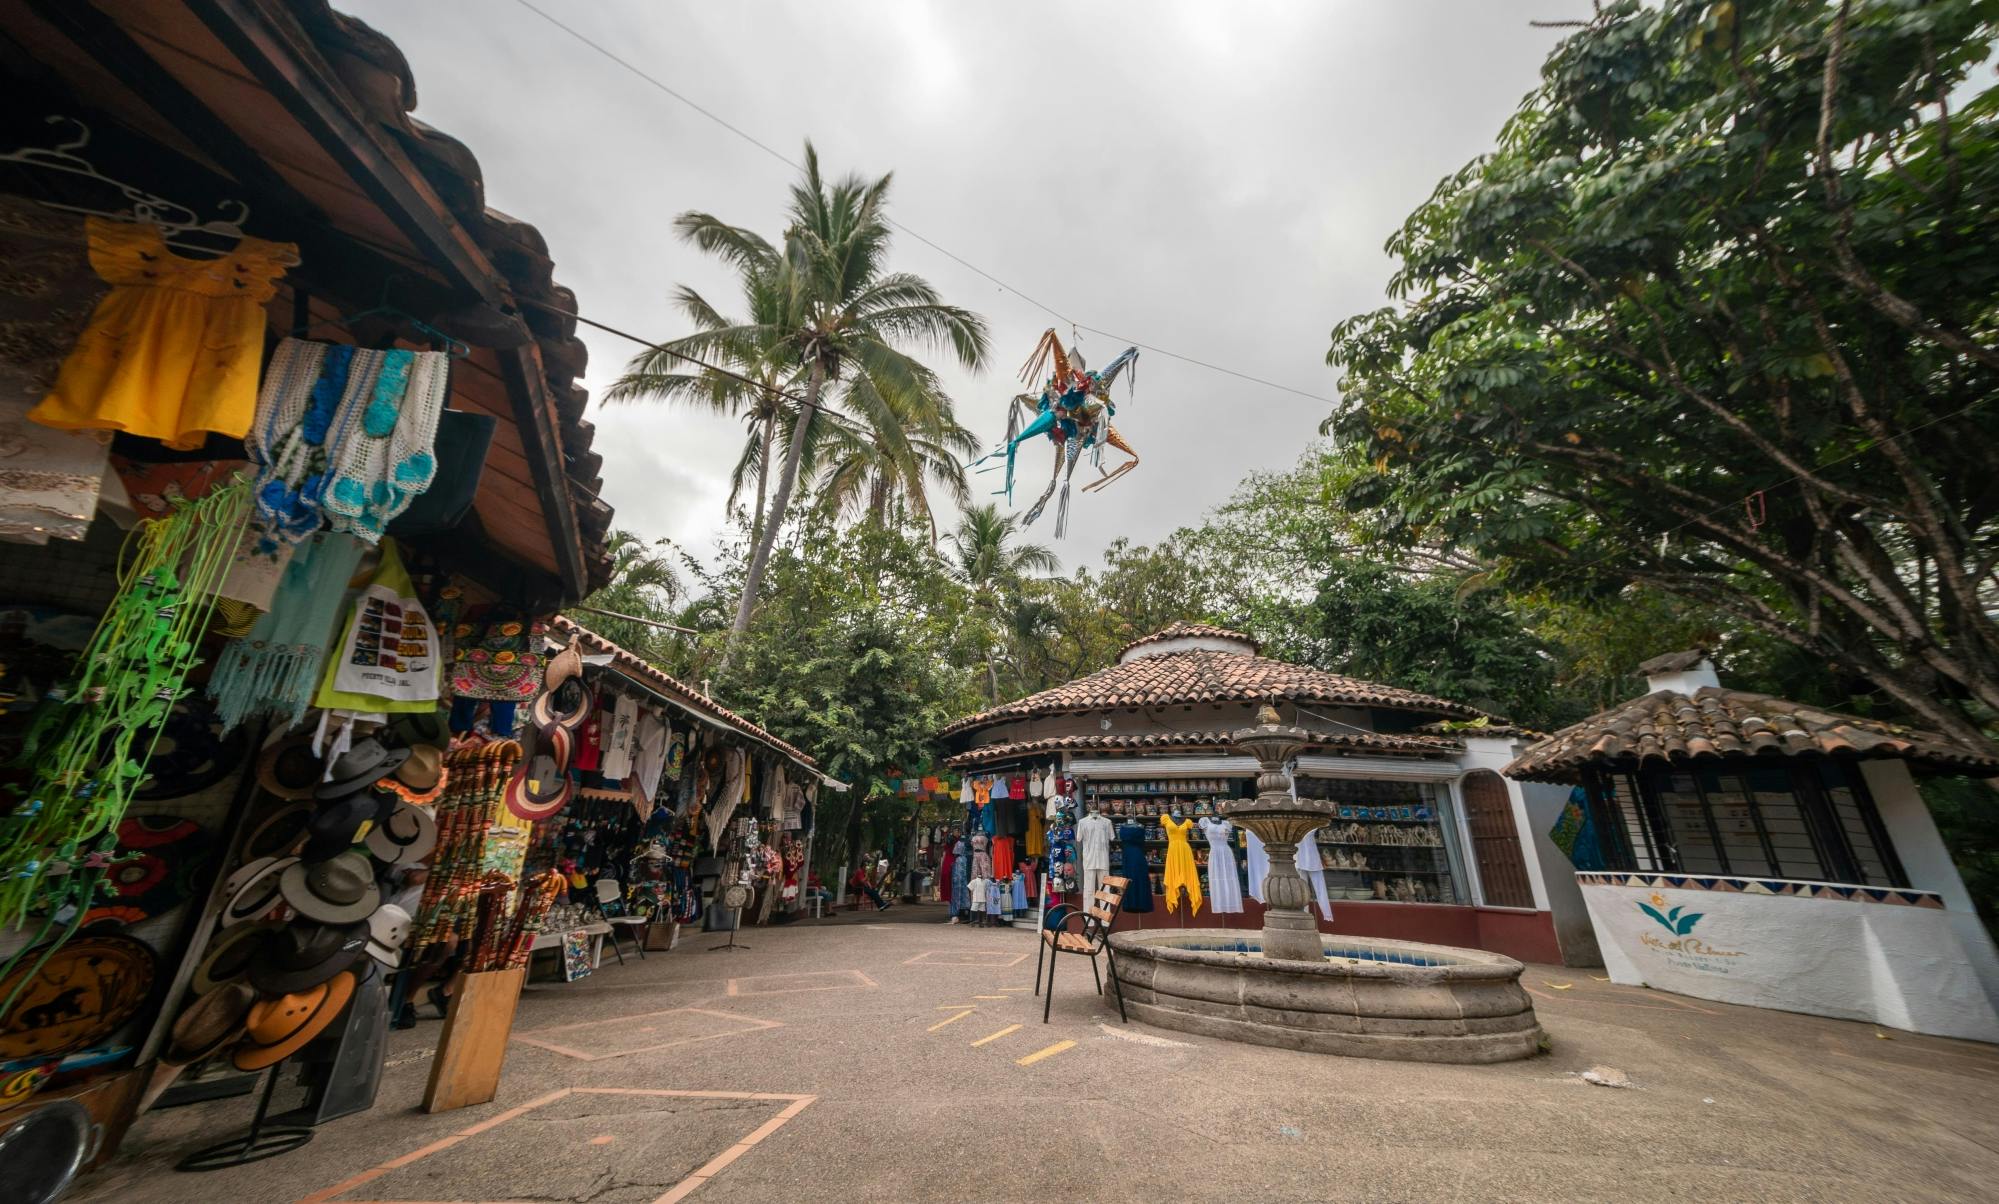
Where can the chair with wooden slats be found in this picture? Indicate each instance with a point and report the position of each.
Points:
(1084, 932)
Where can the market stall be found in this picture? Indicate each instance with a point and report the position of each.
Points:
(1132, 772)
(289, 444)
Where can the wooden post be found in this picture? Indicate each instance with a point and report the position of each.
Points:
(473, 1046)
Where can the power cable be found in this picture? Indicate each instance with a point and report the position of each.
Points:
(788, 161)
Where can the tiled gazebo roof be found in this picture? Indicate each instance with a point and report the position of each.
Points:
(1206, 675)
(1186, 630)
(1714, 724)
(1361, 742)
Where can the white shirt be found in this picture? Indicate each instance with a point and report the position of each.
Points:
(1093, 842)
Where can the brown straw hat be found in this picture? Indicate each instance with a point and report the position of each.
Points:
(210, 1024)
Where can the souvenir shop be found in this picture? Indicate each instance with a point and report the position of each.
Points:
(998, 867)
(1427, 842)
(292, 473)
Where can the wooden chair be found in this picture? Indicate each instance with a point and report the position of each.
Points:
(1086, 932)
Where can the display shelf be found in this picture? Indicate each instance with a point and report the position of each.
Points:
(1376, 844)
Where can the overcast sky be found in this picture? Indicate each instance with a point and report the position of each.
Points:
(1214, 179)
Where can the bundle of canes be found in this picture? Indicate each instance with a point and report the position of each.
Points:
(529, 913)
(490, 928)
(464, 814)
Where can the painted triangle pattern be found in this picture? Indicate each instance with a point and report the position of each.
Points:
(1887, 896)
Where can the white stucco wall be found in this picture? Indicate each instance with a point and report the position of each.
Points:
(1536, 807)
(1914, 833)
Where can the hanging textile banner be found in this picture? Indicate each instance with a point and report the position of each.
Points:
(388, 659)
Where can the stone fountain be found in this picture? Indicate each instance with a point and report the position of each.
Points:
(1295, 988)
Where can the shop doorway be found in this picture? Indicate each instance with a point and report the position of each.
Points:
(1495, 841)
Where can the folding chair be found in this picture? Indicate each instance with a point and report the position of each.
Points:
(1088, 933)
(611, 909)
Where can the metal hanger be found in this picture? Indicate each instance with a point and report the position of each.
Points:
(171, 217)
(382, 309)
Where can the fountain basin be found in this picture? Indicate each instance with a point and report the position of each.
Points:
(1369, 998)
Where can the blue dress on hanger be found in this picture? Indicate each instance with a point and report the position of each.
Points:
(1131, 865)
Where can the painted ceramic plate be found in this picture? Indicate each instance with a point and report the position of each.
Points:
(86, 990)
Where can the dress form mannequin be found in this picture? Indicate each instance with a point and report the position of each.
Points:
(1182, 878)
(1224, 888)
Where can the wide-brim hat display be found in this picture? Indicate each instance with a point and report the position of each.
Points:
(339, 890)
(279, 1028)
(336, 823)
(230, 955)
(368, 762)
(534, 801)
(280, 833)
(388, 930)
(287, 767)
(423, 768)
(300, 956)
(210, 1024)
(260, 891)
(420, 727)
(405, 837)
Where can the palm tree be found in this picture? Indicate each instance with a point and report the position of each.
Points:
(644, 585)
(844, 318)
(863, 468)
(759, 363)
(990, 567)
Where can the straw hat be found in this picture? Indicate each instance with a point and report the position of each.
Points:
(304, 955)
(260, 890)
(287, 767)
(279, 1028)
(405, 837)
(230, 955)
(421, 770)
(338, 890)
(209, 1024)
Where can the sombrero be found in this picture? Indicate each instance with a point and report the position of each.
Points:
(287, 767)
(280, 833)
(305, 955)
(407, 836)
(230, 955)
(209, 1024)
(338, 890)
(259, 892)
(279, 1028)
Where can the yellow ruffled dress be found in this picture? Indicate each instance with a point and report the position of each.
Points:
(173, 351)
(1180, 868)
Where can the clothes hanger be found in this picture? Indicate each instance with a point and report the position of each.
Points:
(173, 219)
(382, 309)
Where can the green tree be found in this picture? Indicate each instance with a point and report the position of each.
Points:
(1715, 319)
(992, 568)
(845, 322)
(645, 584)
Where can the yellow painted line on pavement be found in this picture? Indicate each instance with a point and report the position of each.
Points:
(1011, 1028)
(953, 1020)
(999, 997)
(952, 1007)
(1039, 1054)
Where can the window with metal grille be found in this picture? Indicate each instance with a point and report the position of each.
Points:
(1813, 821)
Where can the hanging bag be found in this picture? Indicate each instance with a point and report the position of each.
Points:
(387, 659)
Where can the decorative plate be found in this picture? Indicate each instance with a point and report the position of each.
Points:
(86, 990)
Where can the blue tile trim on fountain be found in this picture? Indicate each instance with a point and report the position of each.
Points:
(1890, 896)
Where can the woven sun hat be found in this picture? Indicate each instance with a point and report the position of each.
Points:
(388, 930)
(231, 954)
(305, 955)
(368, 762)
(422, 769)
(279, 1028)
(259, 893)
(405, 837)
(339, 890)
(210, 1024)
(287, 767)
(278, 834)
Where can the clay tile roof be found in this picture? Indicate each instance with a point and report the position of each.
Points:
(1188, 741)
(1714, 724)
(1184, 629)
(1203, 675)
(1674, 662)
(669, 686)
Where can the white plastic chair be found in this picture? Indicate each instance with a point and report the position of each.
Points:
(610, 898)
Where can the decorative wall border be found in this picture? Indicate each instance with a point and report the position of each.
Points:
(1891, 896)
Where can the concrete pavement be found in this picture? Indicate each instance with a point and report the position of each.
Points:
(892, 1057)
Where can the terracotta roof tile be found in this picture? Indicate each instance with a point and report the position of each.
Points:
(1206, 676)
(1714, 724)
(672, 687)
(1193, 741)
(1184, 629)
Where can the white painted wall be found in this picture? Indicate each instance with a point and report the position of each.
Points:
(1187, 643)
(1914, 833)
(1536, 807)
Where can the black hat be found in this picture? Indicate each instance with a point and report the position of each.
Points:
(334, 824)
(368, 762)
(304, 955)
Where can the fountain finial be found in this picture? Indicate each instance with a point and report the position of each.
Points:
(1267, 716)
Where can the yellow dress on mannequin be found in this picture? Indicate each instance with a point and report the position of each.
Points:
(1180, 869)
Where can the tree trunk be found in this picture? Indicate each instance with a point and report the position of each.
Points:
(774, 522)
(763, 478)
